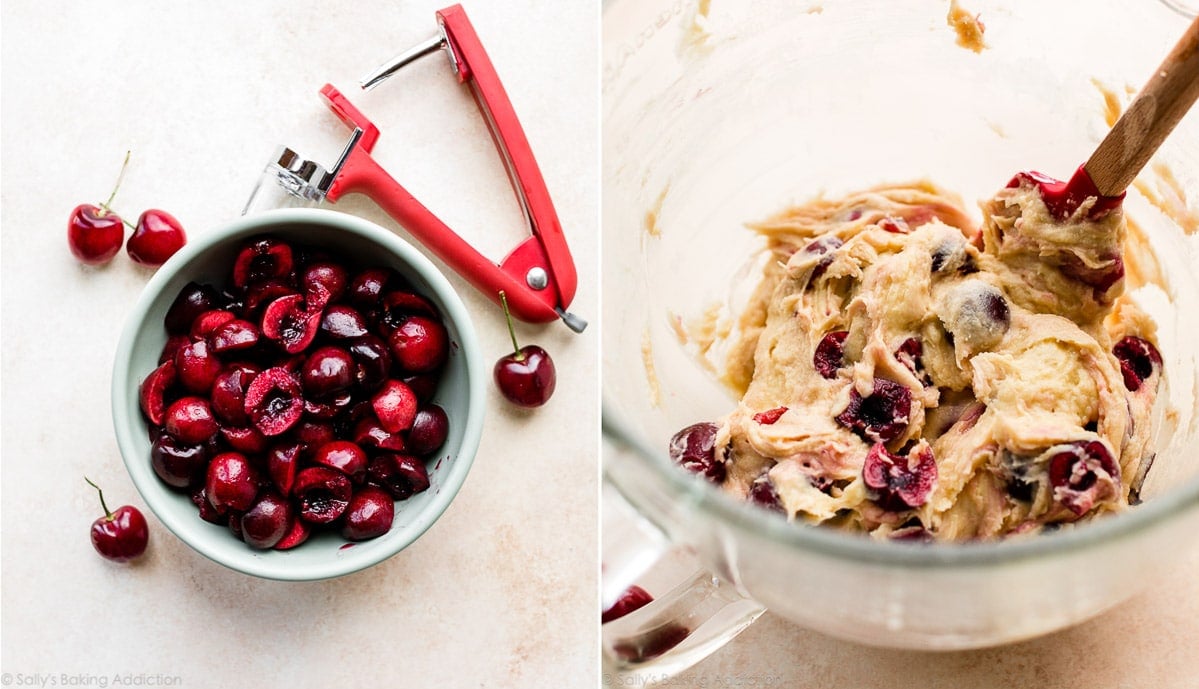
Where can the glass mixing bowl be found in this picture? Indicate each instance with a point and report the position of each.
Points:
(719, 113)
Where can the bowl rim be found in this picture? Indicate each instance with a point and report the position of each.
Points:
(700, 495)
(349, 560)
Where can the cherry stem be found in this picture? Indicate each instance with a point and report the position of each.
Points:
(511, 330)
(113, 195)
(107, 514)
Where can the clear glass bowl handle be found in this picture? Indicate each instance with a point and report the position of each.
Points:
(698, 615)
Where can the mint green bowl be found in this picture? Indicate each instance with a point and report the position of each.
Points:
(207, 259)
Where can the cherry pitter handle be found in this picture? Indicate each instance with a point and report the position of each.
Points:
(538, 276)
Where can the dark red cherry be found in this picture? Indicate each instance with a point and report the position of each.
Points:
(119, 536)
(526, 377)
(830, 354)
(883, 415)
(900, 482)
(1139, 360)
(368, 515)
(158, 237)
(1082, 474)
(694, 449)
(94, 234)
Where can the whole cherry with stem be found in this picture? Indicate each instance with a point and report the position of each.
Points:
(156, 238)
(95, 233)
(119, 536)
(526, 377)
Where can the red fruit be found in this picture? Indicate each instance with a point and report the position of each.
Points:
(763, 494)
(419, 344)
(288, 321)
(900, 483)
(259, 294)
(94, 234)
(190, 420)
(273, 401)
(312, 434)
(402, 476)
(178, 464)
(152, 392)
(328, 371)
(235, 335)
(322, 494)
(911, 355)
(157, 237)
(323, 282)
(119, 536)
(248, 440)
(328, 409)
(342, 322)
(193, 300)
(267, 521)
(172, 347)
(825, 247)
(296, 534)
(229, 394)
(372, 361)
(1139, 360)
(261, 260)
(429, 430)
(770, 416)
(282, 463)
(207, 323)
(343, 456)
(1082, 474)
(232, 483)
(396, 307)
(368, 286)
(633, 598)
(694, 449)
(395, 406)
(208, 513)
(369, 515)
(197, 367)
(883, 415)
(526, 377)
(830, 354)
(424, 385)
(369, 433)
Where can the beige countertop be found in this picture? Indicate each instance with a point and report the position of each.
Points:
(501, 591)
(1152, 640)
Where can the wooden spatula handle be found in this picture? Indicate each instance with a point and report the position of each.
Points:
(1159, 106)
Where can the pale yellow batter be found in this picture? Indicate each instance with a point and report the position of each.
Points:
(907, 374)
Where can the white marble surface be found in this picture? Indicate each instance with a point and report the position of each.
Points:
(501, 591)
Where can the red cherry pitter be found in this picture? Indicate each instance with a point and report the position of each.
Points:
(538, 276)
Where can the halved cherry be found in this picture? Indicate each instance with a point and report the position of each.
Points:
(883, 415)
(152, 392)
(262, 259)
(282, 464)
(274, 401)
(400, 475)
(234, 335)
(1139, 360)
(322, 494)
(900, 483)
(290, 322)
(830, 354)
